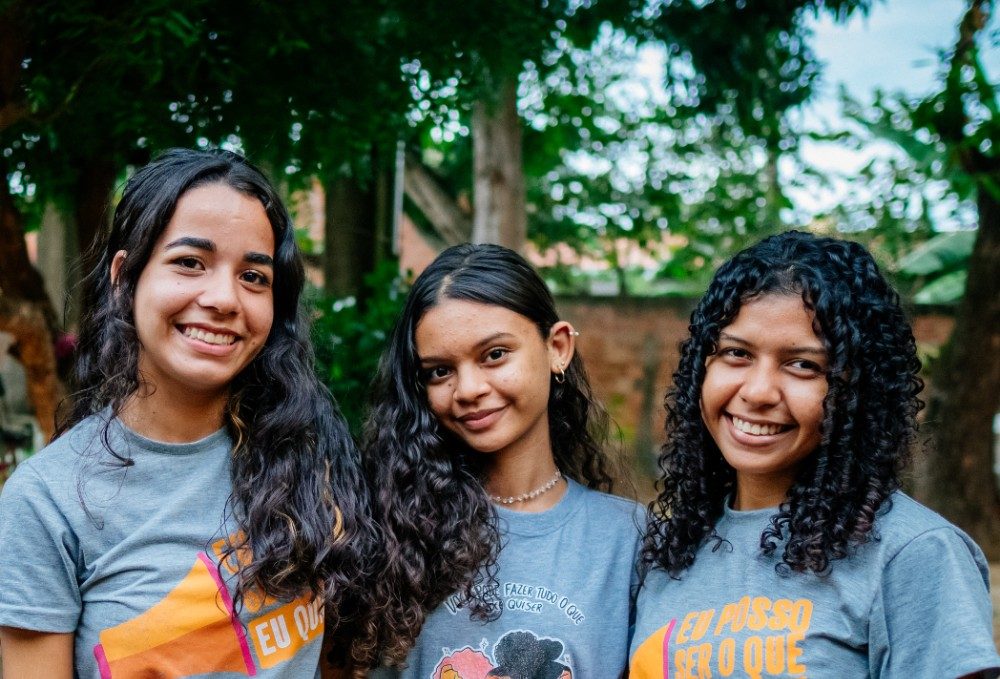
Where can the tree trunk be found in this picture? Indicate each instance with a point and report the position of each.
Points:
(13, 106)
(18, 278)
(775, 198)
(91, 197)
(961, 485)
(26, 322)
(348, 234)
(499, 214)
(26, 312)
(56, 253)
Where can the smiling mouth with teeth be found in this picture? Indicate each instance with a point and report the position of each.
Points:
(758, 429)
(220, 339)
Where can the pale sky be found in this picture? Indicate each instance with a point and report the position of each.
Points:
(894, 48)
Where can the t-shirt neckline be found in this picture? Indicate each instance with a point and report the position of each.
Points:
(133, 438)
(540, 523)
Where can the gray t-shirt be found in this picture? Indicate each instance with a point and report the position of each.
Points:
(565, 580)
(133, 568)
(914, 604)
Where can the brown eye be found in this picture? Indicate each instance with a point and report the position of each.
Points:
(188, 263)
(735, 352)
(435, 374)
(804, 365)
(496, 354)
(255, 277)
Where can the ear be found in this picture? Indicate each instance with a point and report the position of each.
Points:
(562, 346)
(116, 265)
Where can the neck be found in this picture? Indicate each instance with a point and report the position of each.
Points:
(152, 414)
(513, 476)
(753, 492)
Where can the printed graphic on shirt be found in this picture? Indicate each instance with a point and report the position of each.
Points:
(754, 637)
(191, 631)
(525, 598)
(277, 635)
(519, 654)
(194, 630)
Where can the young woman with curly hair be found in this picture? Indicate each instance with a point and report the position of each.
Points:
(780, 544)
(485, 454)
(202, 509)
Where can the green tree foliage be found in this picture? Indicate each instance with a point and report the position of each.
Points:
(97, 81)
(349, 338)
(946, 169)
(608, 161)
(939, 267)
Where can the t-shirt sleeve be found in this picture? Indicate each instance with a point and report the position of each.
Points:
(38, 549)
(932, 616)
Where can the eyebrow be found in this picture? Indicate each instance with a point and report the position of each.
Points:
(258, 258)
(208, 246)
(196, 243)
(818, 351)
(481, 343)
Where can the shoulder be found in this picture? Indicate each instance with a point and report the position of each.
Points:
(911, 532)
(903, 514)
(930, 612)
(82, 439)
(904, 520)
(54, 469)
(614, 505)
(63, 452)
(613, 513)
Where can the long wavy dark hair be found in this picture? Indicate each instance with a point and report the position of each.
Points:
(298, 497)
(869, 412)
(440, 532)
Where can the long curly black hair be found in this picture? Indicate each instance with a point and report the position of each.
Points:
(869, 420)
(298, 497)
(440, 532)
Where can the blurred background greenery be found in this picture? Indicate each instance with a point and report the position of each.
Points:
(627, 147)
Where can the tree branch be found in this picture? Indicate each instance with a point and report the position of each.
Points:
(449, 221)
(972, 160)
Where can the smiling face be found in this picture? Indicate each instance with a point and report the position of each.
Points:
(487, 373)
(203, 304)
(762, 398)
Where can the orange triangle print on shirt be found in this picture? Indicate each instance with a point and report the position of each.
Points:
(652, 659)
(191, 631)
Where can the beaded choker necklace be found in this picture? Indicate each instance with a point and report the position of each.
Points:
(531, 494)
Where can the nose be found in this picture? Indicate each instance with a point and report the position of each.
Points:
(220, 293)
(470, 384)
(761, 386)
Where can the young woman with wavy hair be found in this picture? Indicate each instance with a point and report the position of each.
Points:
(780, 543)
(485, 450)
(201, 509)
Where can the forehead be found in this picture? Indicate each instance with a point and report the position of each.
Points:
(454, 325)
(219, 213)
(776, 317)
